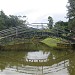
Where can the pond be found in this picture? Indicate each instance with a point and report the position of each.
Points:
(42, 61)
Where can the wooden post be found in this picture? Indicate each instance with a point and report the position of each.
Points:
(64, 63)
(42, 70)
(38, 60)
(16, 32)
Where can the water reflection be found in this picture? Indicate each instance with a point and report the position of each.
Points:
(42, 62)
(38, 56)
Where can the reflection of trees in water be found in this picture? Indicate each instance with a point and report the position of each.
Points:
(71, 67)
(38, 69)
(10, 58)
(17, 60)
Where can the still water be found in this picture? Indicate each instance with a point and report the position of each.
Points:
(42, 61)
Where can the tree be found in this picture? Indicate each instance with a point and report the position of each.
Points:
(14, 21)
(71, 14)
(9, 21)
(3, 19)
(50, 25)
(71, 9)
(61, 25)
(60, 28)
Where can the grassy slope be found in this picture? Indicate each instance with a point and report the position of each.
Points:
(51, 42)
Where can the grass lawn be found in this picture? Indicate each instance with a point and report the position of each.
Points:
(51, 42)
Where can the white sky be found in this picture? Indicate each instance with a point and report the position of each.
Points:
(36, 10)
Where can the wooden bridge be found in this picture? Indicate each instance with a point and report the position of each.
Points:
(29, 31)
(23, 29)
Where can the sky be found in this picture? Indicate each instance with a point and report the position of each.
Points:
(36, 10)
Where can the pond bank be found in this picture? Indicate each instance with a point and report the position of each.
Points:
(32, 44)
(25, 45)
(57, 43)
(20, 47)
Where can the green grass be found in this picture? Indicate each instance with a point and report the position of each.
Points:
(51, 42)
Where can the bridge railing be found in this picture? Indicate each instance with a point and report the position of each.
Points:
(12, 31)
(19, 29)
